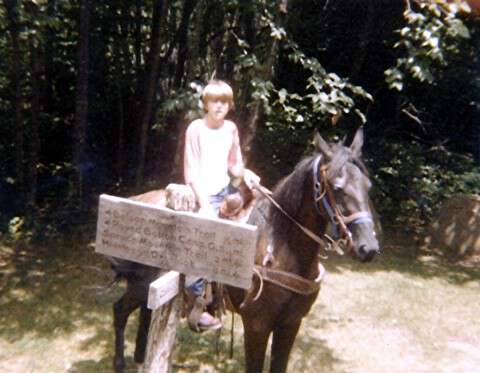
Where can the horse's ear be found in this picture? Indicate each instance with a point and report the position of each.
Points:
(357, 143)
(322, 146)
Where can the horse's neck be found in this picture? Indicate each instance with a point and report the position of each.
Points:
(298, 253)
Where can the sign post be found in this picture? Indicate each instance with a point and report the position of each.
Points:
(180, 242)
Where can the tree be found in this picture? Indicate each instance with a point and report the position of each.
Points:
(157, 36)
(96, 84)
(81, 101)
(13, 15)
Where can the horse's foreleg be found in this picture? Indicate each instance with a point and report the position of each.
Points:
(282, 342)
(142, 334)
(255, 341)
(121, 310)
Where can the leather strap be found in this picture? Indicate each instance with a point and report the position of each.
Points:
(267, 194)
(291, 281)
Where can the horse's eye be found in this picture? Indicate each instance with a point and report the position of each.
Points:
(337, 187)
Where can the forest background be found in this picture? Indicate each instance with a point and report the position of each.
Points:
(95, 97)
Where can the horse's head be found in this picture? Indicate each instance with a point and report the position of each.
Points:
(341, 191)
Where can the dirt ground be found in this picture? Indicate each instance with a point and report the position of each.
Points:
(408, 311)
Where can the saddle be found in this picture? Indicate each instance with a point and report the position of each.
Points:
(238, 206)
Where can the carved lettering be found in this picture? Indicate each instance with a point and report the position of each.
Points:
(181, 241)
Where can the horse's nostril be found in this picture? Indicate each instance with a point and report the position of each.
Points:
(361, 250)
(368, 256)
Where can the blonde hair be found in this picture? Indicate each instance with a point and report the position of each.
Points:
(218, 89)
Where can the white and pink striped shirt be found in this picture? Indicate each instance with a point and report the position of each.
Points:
(210, 153)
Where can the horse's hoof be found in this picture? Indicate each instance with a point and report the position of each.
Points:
(119, 365)
(139, 356)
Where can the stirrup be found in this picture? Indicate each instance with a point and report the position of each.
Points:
(194, 317)
(199, 306)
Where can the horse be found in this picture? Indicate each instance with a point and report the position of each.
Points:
(329, 187)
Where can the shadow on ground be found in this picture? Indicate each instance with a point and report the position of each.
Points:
(315, 355)
(46, 292)
(46, 289)
(406, 255)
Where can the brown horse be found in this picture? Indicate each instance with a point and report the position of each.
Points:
(331, 186)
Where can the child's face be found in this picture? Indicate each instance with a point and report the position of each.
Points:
(217, 108)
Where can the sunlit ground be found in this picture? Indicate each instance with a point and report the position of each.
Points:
(408, 311)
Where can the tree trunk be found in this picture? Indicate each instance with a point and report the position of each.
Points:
(476, 105)
(247, 26)
(123, 70)
(250, 128)
(34, 138)
(13, 15)
(120, 155)
(364, 40)
(182, 39)
(231, 49)
(48, 91)
(159, 18)
(122, 43)
(217, 44)
(81, 99)
(138, 35)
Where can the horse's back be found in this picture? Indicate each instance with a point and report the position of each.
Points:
(154, 197)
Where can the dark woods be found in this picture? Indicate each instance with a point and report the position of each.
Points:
(95, 95)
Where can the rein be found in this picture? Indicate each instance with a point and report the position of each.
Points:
(286, 280)
(268, 194)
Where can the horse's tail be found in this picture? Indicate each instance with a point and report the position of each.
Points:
(132, 272)
(123, 269)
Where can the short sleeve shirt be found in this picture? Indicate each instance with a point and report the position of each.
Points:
(210, 153)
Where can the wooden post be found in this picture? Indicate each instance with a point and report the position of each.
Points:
(164, 324)
(166, 317)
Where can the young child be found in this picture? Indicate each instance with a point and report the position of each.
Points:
(212, 153)
(212, 150)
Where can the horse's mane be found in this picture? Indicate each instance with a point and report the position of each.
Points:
(289, 192)
(342, 155)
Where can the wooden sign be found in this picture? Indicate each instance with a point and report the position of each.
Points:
(215, 249)
(163, 289)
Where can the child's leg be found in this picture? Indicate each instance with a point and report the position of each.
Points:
(197, 287)
(206, 321)
(217, 199)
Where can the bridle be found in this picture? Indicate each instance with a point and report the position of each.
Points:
(322, 194)
(324, 199)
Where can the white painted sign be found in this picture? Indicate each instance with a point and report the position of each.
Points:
(163, 289)
(215, 249)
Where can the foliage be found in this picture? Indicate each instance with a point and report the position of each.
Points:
(431, 36)
(294, 115)
(16, 228)
(303, 65)
(412, 181)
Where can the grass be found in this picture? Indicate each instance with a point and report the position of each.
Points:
(409, 310)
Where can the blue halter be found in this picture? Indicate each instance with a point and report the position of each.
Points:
(320, 195)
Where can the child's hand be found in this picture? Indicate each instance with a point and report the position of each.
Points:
(251, 178)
